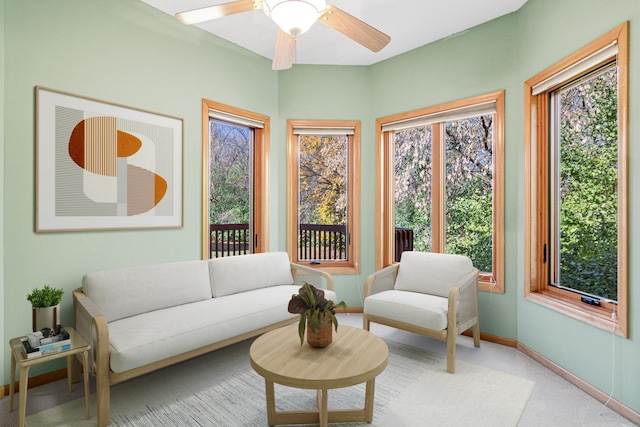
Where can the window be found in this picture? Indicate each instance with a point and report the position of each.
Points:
(440, 184)
(323, 202)
(576, 184)
(235, 147)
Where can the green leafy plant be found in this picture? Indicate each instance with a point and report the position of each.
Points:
(45, 297)
(309, 303)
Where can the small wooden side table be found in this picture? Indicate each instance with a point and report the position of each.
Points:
(78, 346)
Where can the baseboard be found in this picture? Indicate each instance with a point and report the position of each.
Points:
(507, 342)
(36, 381)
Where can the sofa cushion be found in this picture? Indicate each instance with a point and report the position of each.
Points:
(153, 336)
(231, 275)
(432, 273)
(426, 311)
(125, 292)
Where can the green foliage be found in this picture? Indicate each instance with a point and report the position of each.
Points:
(322, 179)
(469, 229)
(468, 187)
(229, 173)
(588, 186)
(45, 297)
(309, 303)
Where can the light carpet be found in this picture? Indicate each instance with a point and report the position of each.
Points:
(221, 389)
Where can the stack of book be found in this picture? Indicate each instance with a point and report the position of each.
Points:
(47, 346)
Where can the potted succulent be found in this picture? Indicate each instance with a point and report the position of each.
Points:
(317, 315)
(45, 304)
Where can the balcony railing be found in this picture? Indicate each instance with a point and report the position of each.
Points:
(229, 239)
(403, 241)
(317, 242)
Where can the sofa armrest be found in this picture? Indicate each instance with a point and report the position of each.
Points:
(382, 280)
(317, 277)
(91, 324)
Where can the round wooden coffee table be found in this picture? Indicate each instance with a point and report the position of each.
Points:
(355, 356)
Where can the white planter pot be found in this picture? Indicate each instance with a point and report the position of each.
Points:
(46, 317)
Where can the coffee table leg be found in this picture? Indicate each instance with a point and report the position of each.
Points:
(323, 411)
(271, 402)
(368, 400)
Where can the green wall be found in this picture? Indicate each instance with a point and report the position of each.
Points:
(123, 52)
(129, 53)
(590, 353)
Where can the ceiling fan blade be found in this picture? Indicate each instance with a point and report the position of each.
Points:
(213, 12)
(354, 28)
(285, 51)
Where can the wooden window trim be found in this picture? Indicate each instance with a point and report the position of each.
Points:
(536, 143)
(491, 282)
(352, 266)
(260, 240)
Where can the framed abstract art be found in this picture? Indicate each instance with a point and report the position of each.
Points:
(105, 166)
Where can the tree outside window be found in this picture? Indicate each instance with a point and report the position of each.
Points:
(440, 183)
(323, 203)
(235, 146)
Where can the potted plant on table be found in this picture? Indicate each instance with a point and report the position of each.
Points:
(317, 315)
(45, 304)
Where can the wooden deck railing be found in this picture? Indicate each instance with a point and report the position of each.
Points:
(403, 241)
(229, 239)
(317, 242)
(322, 242)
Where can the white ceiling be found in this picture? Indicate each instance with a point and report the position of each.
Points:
(409, 23)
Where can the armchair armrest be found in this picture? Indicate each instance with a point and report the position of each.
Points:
(466, 308)
(382, 280)
(317, 277)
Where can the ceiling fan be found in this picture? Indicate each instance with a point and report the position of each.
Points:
(293, 18)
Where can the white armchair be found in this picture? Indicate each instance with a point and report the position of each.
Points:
(427, 293)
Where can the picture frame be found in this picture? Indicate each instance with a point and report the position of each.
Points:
(105, 166)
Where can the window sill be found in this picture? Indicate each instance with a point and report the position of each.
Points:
(487, 284)
(332, 269)
(598, 317)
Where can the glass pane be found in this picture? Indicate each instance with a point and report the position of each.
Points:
(229, 188)
(412, 164)
(322, 201)
(588, 208)
(469, 189)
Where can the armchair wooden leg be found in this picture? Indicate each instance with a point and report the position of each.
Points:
(366, 324)
(451, 353)
(476, 335)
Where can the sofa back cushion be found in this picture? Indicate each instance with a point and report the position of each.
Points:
(431, 273)
(125, 292)
(231, 275)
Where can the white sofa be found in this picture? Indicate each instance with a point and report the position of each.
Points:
(141, 319)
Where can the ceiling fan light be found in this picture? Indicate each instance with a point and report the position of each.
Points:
(294, 16)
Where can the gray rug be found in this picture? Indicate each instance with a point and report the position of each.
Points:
(221, 389)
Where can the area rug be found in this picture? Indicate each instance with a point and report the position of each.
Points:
(221, 389)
